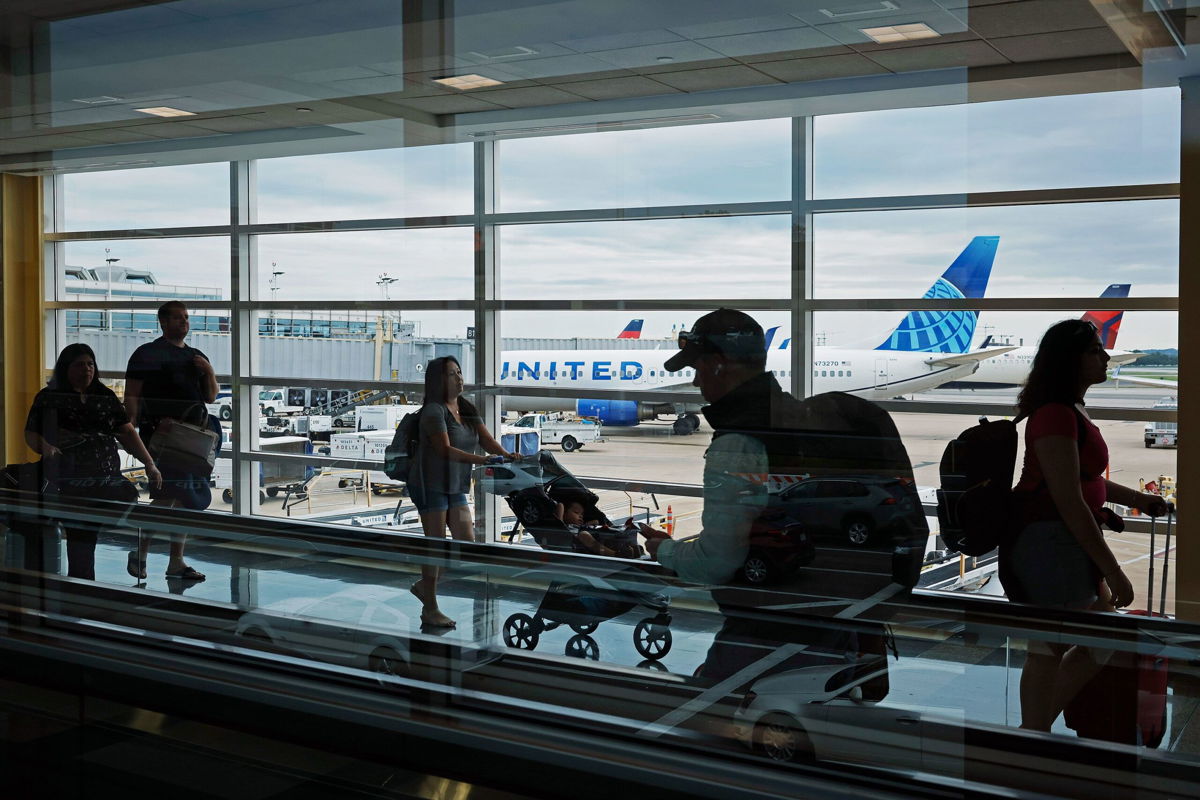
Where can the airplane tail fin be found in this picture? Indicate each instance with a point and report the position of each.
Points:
(632, 331)
(949, 331)
(1108, 323)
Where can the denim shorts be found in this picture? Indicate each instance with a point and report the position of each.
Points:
(426, 500)
(1045, 566)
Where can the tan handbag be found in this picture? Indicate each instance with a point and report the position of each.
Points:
(185, 447)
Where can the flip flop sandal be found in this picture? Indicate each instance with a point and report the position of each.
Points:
(187, 574)
(134, 567)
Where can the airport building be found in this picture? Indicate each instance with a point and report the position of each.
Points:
(904, 195)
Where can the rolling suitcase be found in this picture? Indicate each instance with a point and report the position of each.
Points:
(1126, 702)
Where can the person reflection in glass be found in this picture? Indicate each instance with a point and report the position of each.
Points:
(75, 423)
(1059, 558)
(830, 592)
(450, 433)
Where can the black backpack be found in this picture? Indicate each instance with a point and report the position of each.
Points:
(399, 455)
(975, 505)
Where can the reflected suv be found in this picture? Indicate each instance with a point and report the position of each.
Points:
(855, 507)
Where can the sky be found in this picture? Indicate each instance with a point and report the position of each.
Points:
(1054, 250)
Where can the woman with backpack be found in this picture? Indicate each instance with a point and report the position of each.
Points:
(1059, 558)
(449, 434)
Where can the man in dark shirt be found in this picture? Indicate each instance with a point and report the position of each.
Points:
(169, 380)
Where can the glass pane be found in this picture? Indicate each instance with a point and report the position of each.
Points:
(1074, 249)
(1113, 138)
(437, 263)
(405, 182)
(160, 197)
(727, 163)
(113, 334)
(365, 344)
(719, 258)
(1143, 344)
(189, 270)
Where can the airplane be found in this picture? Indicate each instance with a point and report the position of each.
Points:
(1011, 368)
(875, 374)
(632, 331)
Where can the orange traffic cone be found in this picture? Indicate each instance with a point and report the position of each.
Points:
(670, 522)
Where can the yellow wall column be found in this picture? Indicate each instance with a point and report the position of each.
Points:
(22, 307)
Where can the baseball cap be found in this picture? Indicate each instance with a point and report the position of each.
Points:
(724, 331)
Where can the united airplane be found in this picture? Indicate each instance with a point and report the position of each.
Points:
(925, 351)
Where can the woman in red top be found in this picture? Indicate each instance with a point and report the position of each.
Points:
(1059, 558)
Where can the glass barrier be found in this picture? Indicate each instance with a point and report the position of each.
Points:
(835, 666)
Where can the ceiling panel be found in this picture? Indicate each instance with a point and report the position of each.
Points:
(820, 69)
(751, 44)
(704, 80)
(942, 56)
(1065, 44)
(616, 88)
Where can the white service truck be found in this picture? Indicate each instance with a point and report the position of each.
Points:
(1165, 434)
(570, 434)
(273, 403)
(382, 417)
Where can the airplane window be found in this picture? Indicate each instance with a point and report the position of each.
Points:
(839, 373)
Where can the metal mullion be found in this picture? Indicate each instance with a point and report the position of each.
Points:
(601, 304)
(803, 265)
(664, 396)
(242, 203)
(331, 383)
(995, 304)
(1025, 197)
(140, 233)
(487, 335)
(53, 264)
(351, 225)
(1113, 413)
(360, 305)
(118, 304)
(690, 211)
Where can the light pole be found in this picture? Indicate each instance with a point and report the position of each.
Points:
(108, 287)
(275, 273)
(384, 283)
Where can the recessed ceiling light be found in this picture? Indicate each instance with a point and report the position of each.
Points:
(464, 82)
(901, 33)
(166, 111)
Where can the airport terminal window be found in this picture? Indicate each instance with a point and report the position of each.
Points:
(1067, 249)
(718, 258)
(1107, 139)
(736, 162)
(358, 266)
(155, 197)
(1044, 251)
(190, 269)
(425, 181)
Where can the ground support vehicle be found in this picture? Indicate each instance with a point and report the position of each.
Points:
(274, 403)
(570, 434)
(273, 478)
(1163, 434)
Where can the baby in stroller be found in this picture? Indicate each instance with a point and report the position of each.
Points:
(592, 532)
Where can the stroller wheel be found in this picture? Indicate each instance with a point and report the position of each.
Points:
(652, 639)
(584, 628)
(521, 632)
(583, 647)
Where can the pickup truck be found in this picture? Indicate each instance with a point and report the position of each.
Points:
(568, 434)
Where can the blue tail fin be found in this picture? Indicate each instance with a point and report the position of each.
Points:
(632, 331)
(949, 331)
(1108, 323)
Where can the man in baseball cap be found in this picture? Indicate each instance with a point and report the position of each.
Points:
(726, 348)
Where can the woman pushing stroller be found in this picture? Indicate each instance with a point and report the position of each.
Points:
(450, 434)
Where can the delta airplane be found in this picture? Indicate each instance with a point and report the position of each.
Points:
(927, 349)
(632, 331)
(1011, 368)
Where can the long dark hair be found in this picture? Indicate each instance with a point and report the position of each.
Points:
(1055, 375)
(435, 385)
(59, 381)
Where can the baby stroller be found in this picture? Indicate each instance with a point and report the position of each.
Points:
(533, 488)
